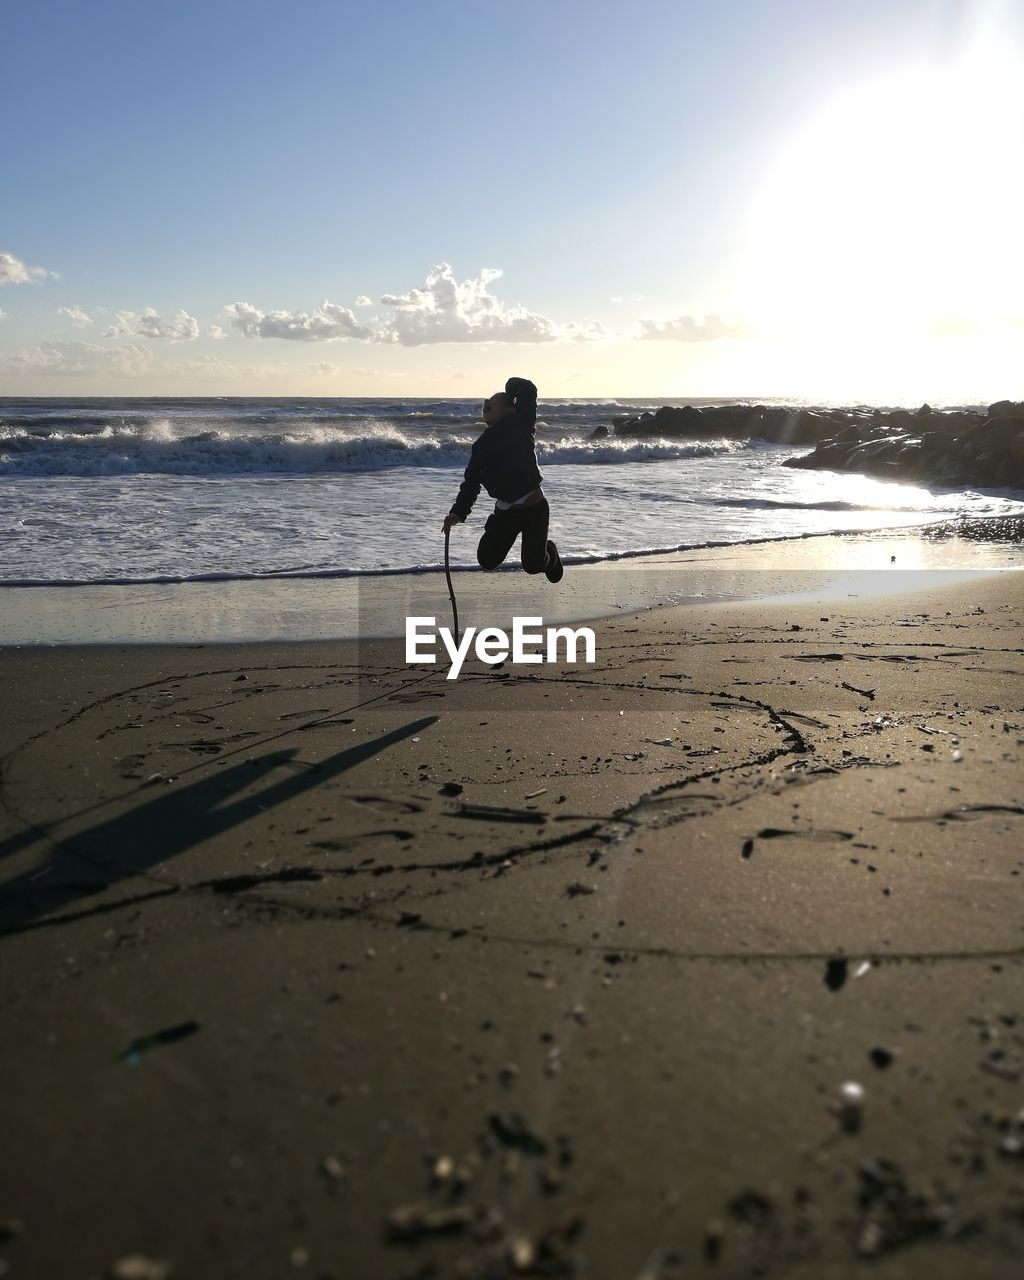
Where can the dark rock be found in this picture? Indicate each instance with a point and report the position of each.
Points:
(633, 424)
(776, 423)
(1006, 409)
(959, 447)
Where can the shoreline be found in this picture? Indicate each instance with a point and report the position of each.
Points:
(287, 609)
(1005, 529)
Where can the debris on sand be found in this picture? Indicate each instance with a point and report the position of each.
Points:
(410, 1223)
(578, 890)
(998, 1062)
(892, 1215)
(751, 1208)
(851, 1106)
(513, 1131)
(168, 1035)
(485, 1241)
(835, 973)
(713, 1236)
(137, 1266)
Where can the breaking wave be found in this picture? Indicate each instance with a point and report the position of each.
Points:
(66, 448)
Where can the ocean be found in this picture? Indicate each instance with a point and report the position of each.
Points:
(167, 490)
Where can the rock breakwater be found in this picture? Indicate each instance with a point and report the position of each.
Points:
(954, 447)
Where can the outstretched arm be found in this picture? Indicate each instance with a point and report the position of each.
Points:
(524, 394)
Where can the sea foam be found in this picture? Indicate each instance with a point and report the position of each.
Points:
(163, 447)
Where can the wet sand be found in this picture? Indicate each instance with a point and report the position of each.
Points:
(315, 964)
(326, 608)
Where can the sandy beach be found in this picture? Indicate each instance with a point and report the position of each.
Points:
(703, 960)
(347, 350)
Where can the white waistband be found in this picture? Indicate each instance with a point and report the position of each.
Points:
(507, 506)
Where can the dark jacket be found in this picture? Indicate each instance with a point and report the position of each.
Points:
(504, 457)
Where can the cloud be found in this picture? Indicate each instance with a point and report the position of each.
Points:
(363, 301)
(324, 368)
(589, 331)
(265, 370)
(79, 360)
(443, 309)
(202, 367)
(76, 315)
(3, 314)
(147, 324)
(446, 310)
(690, 329)
(216, 332)
(14, 271)
(328, 323)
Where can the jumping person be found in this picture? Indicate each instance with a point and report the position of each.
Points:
(504, 462)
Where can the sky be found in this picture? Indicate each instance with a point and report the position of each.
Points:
(671, 198)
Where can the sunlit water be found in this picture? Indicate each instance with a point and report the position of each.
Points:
(129, 491)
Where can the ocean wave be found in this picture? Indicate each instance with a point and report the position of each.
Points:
(773, 504)
(611, 450)
(165, 447)
(171, 449)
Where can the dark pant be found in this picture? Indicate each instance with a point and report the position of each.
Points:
(502, 529)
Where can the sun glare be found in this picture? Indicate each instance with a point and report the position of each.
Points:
(894, 212)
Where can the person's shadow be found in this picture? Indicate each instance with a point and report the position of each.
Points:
(90, 860)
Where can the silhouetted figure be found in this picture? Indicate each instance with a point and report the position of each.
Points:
(504, 462)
